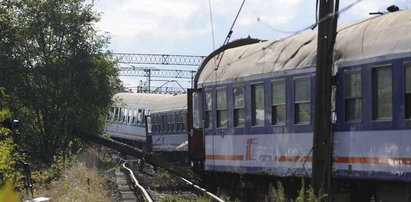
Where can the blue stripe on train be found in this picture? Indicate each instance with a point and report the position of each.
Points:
(299, 172)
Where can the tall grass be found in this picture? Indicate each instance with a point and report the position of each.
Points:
(84, 180)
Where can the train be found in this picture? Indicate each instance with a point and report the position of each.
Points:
(127, 117)
(168, 128)
(166, 115)
(251, 109)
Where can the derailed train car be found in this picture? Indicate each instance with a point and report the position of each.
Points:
(126, 120)
(168, 121)
(165, 116)
(254, 102)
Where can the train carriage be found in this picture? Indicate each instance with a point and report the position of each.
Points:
(257, 103)
(126, 119)
(168, 124)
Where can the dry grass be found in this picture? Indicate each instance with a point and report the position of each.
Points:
(82, 181)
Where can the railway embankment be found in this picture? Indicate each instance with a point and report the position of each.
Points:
(89, 177)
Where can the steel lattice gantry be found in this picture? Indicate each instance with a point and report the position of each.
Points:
(154, 72)
(158, 59)
(129, 59)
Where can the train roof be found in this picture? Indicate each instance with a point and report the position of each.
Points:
(176, 102)
(138, 99)
(383, 35)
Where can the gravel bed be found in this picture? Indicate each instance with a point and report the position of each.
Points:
(162, 185)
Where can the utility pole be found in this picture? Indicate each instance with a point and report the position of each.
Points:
(323, 137)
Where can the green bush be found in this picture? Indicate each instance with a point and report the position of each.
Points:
(8, 155)
(276, 194)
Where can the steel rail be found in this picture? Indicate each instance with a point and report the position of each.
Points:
(203, 190)
(145, 193)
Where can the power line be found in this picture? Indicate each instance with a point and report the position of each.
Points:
(230, 32)
(332, 15)
(212, 24)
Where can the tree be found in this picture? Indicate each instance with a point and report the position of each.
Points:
(55, 71)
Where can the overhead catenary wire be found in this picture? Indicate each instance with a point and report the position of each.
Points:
(230, 32)
(312, 26)
(212, 23)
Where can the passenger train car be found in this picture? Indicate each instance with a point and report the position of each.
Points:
(255, 101)
(126, 119)
(162, 117)
(169, 128)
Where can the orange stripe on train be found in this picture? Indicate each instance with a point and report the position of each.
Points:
(127, 134)
(225, 157)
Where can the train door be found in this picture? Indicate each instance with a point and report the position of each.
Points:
(149, 137)
(195, 128)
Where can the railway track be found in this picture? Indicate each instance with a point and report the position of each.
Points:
(154, 184)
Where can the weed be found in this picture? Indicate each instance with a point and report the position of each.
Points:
(81, 181)
(276, 194)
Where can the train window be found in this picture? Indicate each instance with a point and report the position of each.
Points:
(239, 118)
(278, 102)
(173, 120)
(382, 93)
(143, 117)
(123, 113)
(168, 122)
(135, 116)
(353, 96)
(157, 122)
(221, 108)
(302, 102)
(163, 123)
(208, 108)
(177, 120)
(257, 103)
(131, 115)
(183, 122)
(128, 115)
(120, 115)
(139, 116)
(407, 79)
(124, 117)
(153, 124)
(116, 114)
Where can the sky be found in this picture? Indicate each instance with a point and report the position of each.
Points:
(183, 27)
